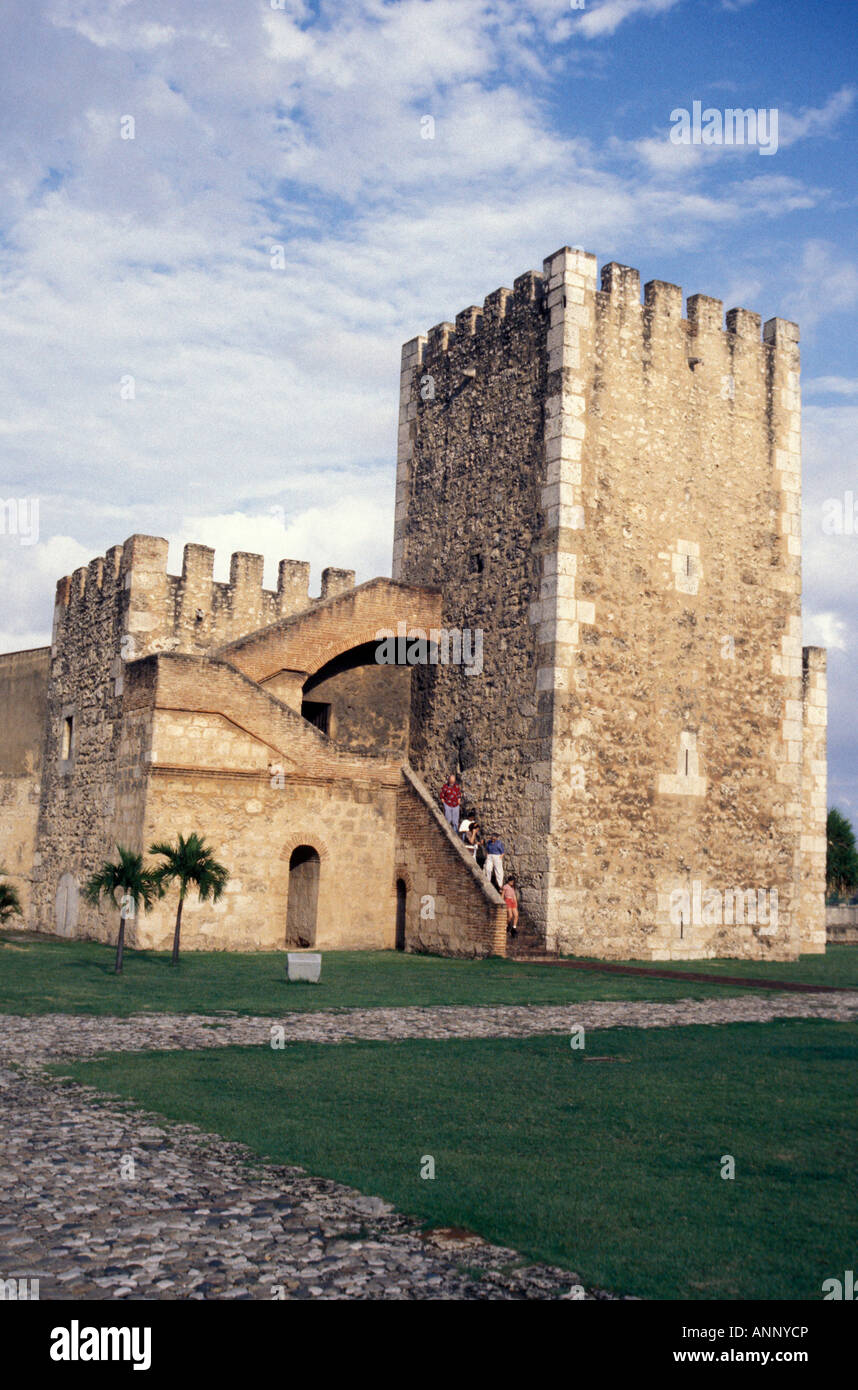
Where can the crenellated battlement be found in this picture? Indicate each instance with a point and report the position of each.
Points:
(528, 289)
(662, 305)
(159, 611)
(621, 289)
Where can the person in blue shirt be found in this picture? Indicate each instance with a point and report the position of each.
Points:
(495, 851)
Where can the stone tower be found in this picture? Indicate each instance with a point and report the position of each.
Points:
(610, 491)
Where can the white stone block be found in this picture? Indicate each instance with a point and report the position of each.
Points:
(579, 314)
(565, 470)
(304, 965)
(560, 493)
(556, 563)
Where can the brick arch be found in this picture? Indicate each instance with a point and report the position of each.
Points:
(308, 641)
(405, 875)
(309, 838)
(342, 644)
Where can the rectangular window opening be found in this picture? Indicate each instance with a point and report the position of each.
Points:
(317, 714)
(67, 740)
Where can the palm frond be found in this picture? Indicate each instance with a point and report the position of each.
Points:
(10, 903)
(125, 875)
(190, 861)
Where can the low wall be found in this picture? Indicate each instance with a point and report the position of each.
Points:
(841, 924)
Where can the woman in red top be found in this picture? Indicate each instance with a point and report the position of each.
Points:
(451, 795)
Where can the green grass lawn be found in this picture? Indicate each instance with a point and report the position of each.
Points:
(839, 966)
(39, 975)
(610, 1168)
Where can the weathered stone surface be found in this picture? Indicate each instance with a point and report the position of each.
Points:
(611, 492)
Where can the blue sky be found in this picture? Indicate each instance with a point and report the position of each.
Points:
(264, 400)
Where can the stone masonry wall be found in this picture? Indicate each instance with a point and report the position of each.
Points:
(23, 699)
(677, 754)
(206, 749)
(118, 609)
(254, 828)
(308, 640)
(814, 837)
(369, 708)
(468, 521)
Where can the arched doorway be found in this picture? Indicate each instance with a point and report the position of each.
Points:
(303, 896)
(401, 896)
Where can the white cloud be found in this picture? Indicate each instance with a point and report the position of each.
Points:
(830, 471)
(824, 282)
(28, 577)
(815, 120)
(824, 630)
(605, 19)
(348, 532)
(831, 386)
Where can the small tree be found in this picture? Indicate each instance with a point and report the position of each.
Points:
(189, 862)
(841, 868)
(10, 903)
(137, 885)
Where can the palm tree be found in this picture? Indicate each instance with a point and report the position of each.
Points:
(190, 861)
(137, 885)
(10, 903)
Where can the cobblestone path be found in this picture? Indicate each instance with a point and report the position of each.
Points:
(201, 1218)
(47, 1037)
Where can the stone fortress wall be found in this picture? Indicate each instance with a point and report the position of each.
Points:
(612, 492)
(609, 493)
(110, 617)
(23, 702)
(174, 704)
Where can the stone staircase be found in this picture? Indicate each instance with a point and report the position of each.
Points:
(529, 944)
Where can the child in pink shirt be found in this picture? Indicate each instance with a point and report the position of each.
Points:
(511, 902)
